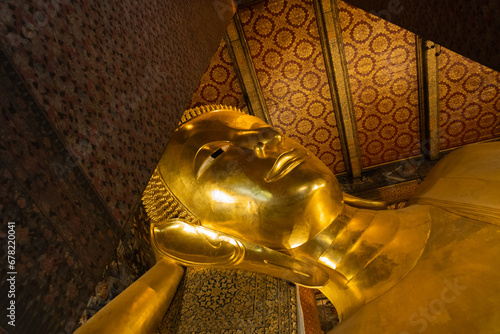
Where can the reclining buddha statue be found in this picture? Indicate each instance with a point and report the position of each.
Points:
(232, 192)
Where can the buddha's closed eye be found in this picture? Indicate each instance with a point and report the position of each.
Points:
(217, 153)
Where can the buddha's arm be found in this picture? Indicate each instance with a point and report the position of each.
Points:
(142, 306)
(202, 247)
(364, 203)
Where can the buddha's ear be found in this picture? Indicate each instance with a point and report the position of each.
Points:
(152, 237)
(193, 245)
(364, 203)
(198, 246)
(155, 230)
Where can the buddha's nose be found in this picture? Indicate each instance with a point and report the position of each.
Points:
(269, 139)
(260, 141)
(269, 136)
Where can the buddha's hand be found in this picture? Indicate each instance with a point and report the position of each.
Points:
(198, 246)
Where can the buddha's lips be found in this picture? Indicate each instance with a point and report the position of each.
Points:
(285, 163)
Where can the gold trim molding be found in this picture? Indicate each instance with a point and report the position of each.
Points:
(338, 79)
(243, 65)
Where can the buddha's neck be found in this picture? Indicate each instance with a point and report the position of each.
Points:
(372, 250)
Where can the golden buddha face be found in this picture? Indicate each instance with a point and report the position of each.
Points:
(240, 176)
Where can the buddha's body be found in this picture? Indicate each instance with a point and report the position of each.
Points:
(431, 267)
(454, 286)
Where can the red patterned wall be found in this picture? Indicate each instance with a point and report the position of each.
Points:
(381, 61)
(219, 84)
(469, 101)
(284, 44)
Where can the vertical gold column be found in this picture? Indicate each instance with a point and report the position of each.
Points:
(427, 67)
(336, 67)
(242, 60)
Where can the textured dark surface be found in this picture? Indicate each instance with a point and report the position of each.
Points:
(64, 233)
(469, 27)
(35, 155)
(90, 92)
(284, 44)
(132, 258)
(113, 78)
(52, 282)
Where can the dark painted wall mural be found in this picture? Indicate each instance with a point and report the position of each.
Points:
(90, 92)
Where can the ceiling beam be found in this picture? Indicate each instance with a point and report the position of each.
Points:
(338, 79)
(245, 71)
(427, 69)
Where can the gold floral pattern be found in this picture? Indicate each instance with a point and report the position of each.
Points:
(285, 48)
(382, 67)
(219, 84)
(469, 101)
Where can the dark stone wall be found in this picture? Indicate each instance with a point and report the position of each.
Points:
(90, 91)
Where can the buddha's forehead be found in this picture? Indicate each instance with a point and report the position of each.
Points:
(215, 126)
(222, 121)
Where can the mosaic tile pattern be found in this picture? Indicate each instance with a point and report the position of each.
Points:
(469, 101)
(381, 61)
(310, 313)
(113, 78)
(220, 301)
(219, 84)
(284, 44)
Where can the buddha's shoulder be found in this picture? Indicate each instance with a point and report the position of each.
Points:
(446, 288)
(466, 182)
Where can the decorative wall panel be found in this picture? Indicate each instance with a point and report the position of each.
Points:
(469, 101)
(220, 301)
(63, 230)
(284, 44)
(381, 61)
(35, 155)
(219, 84)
